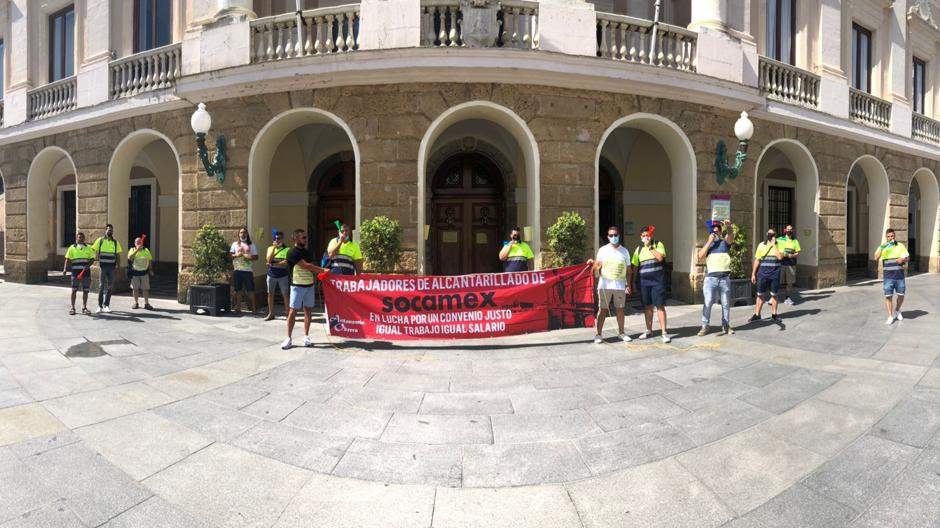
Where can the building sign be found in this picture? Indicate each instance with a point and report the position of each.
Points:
(392, 307)
(721, 207)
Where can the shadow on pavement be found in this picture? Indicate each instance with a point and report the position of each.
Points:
(815, 296)
(914, 314)
(133, 317)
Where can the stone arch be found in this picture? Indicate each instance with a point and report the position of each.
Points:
(804, 169)
(131, 153)
(3, 217)
(683, 180)
(39, 243)
(267, 142)
(876, 180)
(928, 240)
(516, 127)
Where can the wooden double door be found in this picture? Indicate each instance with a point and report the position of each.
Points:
(336, 200)
(467, 216)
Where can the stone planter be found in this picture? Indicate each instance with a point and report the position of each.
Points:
(213, 298)
(742, 292)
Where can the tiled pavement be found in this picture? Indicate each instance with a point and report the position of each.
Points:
(167, 419)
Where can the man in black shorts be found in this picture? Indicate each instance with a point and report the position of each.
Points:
(765, 274)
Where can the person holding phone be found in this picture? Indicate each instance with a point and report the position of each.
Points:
(515, 253)
(717, 285)
(893, 256)
(790, 247)
(649, 261)
(344, 254)
(765, 274)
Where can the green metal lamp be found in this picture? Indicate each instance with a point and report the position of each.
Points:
(201, 122)
(743, 130)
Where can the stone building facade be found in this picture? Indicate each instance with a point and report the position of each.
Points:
(538, 132)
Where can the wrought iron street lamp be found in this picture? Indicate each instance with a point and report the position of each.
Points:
(201, 122)
(743, 130)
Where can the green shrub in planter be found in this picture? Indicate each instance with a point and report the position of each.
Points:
(740, 254)
(210, 255)
(566, 239)
(380, 239)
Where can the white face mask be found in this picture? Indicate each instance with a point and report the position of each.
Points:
(645, 239)
(614, 239)
(243, 238)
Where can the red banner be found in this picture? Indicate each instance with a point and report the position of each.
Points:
(464, 307)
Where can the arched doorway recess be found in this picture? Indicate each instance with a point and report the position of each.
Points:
(866, 216)
(923, 239)
(51, 211)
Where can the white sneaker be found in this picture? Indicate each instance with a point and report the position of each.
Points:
(308, 342)
(98, 310)
(644, 335)
(287, 344)
(598, 340)
(889, 320)
(788, 301)
(625, 338)
(107, 309)
(898, 316)
(666, 338)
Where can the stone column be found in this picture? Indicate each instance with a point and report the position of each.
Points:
(234, 8)
(19, 70)
(831, 65)
(898, 74)
(94, 24)
(568, 26)
(388, 24)
(724, 51)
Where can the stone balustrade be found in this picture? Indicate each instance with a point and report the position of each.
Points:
(788, 83)
(869, 109)
(925, 129)
(142, 72)
(509, 24)
(631, 39)
(315, 32)
(51, 99)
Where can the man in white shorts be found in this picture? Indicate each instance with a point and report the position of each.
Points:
(613, 286)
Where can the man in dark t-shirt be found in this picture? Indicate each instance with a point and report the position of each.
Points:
(302, 274)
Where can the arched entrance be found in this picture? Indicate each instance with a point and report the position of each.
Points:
(640, 150)
(609, 199)
(866, 216)
(51, 212)
(143, 199)
(923, 201)
(467, 216)
(332, 188)
(786, 193)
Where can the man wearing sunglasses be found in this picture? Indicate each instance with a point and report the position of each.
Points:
(277, 278)
(302, 273)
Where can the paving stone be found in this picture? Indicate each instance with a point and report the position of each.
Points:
(229, 487)
(637, 387)
(192, 381)
(698, 372)
(788, 391)
(638, 367)
(58, 382)
(876, 394)
(760, 374)
(466, 403)
(820, 426)
(431, 465)
(911, 501)
(913, 421)
(931, 379)
(293, 377)
(709, 392)
(155, 513)
(338, 420)
(496, 383)
(521, 464)
(718, 420)
(87, 408)
(92, 488)
(211, 420)
(275, 407)
(630, 413)
(22, 491)
(529, 507)
(142, 444)
(14, 397)
(7, 381)
(409, 382)
(802, 507)
(24, 422)
(522, 428)
(555, 400)
(332, 502)
(52, 515)
(380, 399)
(36, 361)
(861, 472)
(747, 469)
(356, 377)
(234, 396)
(438, 429)
(662, 494)
(632, 446)
(294, 446)
(567, 377)
(44, 443)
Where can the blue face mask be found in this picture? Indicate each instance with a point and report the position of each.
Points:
(614, 239)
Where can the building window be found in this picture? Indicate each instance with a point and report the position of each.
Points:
(153, 24)
(861, 58)
(781, 27)
(779, 207)
(62, 44)
(920, 85)
(67, 219)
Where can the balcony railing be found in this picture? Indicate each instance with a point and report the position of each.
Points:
(51, 99)
(628, 39)
(788, 83)
(320, 31)
(142, 72)
(511, 24)
(868, 109)
(923, 128)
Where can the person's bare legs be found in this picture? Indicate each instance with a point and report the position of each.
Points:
(146, 297)
(759, 305)
(661, 311)
(291, 316)
(84, 299)
(307, 314)
(136, 293)
(620, 320)
(648, 313)
(74, 292)
(286, 303)
(271, 304)
(251, 301)
(773, 305)
(601, 317)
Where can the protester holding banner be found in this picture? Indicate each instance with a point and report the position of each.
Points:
(613, 286)
(345, 255)
(516, 254)
(301, 270)
(717, 284)
(649, 261)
